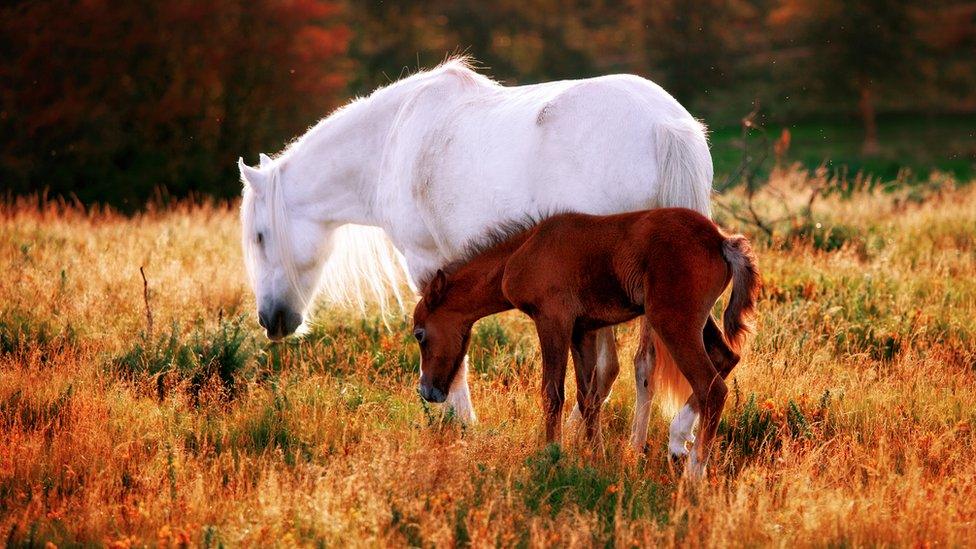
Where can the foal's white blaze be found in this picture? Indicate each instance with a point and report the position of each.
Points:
(433, 161)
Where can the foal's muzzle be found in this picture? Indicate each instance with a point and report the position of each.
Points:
(432, 394)
(280, 322)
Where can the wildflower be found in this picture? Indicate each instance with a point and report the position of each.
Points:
(613, 488)
(164, 534)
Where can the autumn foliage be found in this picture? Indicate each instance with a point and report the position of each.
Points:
(109, 99)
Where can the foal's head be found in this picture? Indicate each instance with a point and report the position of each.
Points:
(443, 330)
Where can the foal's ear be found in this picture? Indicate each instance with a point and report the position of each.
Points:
(436, 290)
(265, 160)
(251, 177)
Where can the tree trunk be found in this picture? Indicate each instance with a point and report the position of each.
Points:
(870, 146)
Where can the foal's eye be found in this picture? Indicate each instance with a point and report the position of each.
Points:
(260, 239)
(420, 334)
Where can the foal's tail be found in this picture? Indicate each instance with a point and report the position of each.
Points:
(745, 288)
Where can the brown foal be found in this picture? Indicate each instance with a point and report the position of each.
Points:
(573, 274)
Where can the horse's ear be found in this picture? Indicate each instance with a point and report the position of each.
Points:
(252, 177)
(436, 290)
(265, 160)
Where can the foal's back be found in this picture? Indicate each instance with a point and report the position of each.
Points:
(602, 268)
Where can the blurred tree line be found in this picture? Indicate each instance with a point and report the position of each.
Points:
(109, 100)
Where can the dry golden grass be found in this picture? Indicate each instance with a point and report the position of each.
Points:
(850, 423)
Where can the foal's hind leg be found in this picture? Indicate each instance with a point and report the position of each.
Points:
(607, 368)
(724, 359)
(687, 346)
(643, 370)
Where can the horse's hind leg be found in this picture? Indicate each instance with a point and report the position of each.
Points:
(588, 397)
(643, 370)
(607, 368)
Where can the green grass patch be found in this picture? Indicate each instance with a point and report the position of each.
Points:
(556, 480)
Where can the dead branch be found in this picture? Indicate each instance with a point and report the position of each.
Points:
(145, 298)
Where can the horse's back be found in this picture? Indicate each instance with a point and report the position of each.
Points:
(497, 153)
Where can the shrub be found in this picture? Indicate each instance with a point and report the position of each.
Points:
(222, 355)
(21, 332)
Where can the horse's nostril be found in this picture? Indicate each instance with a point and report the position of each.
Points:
(279, 322)
(432, 394)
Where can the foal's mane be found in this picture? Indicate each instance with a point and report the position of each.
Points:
(489, 240)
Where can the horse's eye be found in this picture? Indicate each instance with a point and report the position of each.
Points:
(420, 334)
(260, 239)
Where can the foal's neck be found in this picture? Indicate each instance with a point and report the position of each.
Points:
(476, 286)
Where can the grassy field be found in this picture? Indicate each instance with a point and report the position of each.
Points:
(850, 423)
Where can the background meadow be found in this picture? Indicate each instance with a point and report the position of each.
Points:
(850, 421)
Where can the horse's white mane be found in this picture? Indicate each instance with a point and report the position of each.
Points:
(462, 67)
(363, 267)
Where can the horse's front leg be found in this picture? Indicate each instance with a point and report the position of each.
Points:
(459, 396)
(644, 362)
(554, 339)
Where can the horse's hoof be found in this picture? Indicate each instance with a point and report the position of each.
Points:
(678, 451)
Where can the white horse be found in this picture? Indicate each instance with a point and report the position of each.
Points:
(433, 161)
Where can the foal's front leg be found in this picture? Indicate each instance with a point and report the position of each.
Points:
(554, 338)
(589, 393)
(606, 368)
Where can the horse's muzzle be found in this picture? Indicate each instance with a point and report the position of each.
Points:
(279, 323)
(432, 394)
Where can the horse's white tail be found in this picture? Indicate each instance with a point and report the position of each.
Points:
(684, 165)
(684, 180)
(363, 268)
